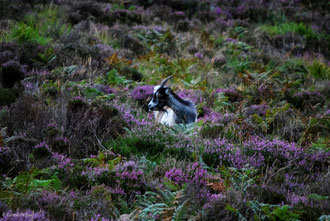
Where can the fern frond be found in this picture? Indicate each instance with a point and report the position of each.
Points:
(180, 212)
(167, 195)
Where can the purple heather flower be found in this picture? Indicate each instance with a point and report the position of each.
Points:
(129, 117)
(218, 10)
(52, 125)
(327, 112)
(42, 145)
(15, 65)
(130, 164)
(117, 190)
(240, 9)
(231, 40)
(109, 90)
(315, 27)
(62, 160)
(295, 199)
(307, 93)
(179, 13)
(3, 149)
(259, 109)
(198, 55)
(192, 95)
(98, 217)
(195, 174)
(73, 194)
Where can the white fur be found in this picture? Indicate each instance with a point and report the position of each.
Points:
(165, 118)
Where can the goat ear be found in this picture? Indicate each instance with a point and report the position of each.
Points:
(167, 91)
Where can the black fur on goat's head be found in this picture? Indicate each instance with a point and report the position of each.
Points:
(160, 97)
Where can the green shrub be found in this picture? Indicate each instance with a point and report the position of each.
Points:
(33, 180)
(131, 73)
(113, 78)
(40, 28)
(286, 27)
(134, 145)
(319, 70)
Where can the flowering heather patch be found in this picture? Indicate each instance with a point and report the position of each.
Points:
(129, 175)
(129, 117)
(194, 174)
(218, 152)
(176, 175)
(63, 161)
(142, 93)
(98, 217)
(192, 95)
(42, 145)
(128, 171)
(109, 90)
(295, 199)
(264, 152)
(216, 117)
(47, 199)
(259, 109)
(232, 94)
(93, 172)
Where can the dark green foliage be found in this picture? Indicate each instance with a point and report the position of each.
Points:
(41, 153)
(211, 159)
(212, 131)
(33, 180)
(7, 96)
(131, 73)
(74, 178)
(319, 70)
(133, 145)
(11, 72)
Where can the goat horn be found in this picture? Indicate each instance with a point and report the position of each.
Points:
(162, 84)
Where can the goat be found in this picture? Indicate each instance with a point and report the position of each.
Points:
(169, 108)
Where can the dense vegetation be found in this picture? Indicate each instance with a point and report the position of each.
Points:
(77, 142)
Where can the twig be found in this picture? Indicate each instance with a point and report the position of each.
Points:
(283, 168)
(98, 140)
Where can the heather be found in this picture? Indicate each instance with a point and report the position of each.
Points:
(78, 143)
